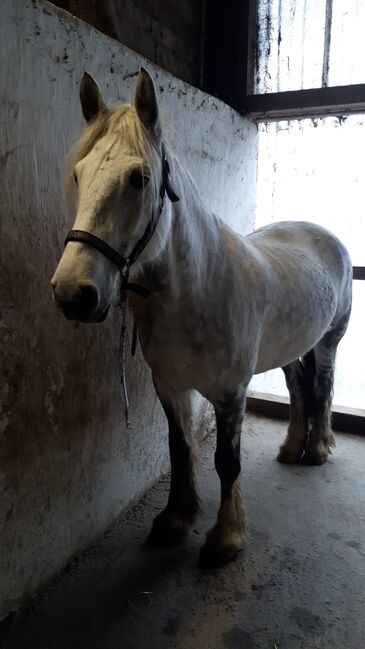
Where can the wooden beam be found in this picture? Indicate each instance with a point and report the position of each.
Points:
(349, 420)
(327, 43)
(225, 56)
(315, 102)
(358, 272)
(250, 48)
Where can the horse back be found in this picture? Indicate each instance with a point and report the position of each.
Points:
(306, 276)
(292, 249)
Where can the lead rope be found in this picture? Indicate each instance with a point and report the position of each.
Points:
(122, 348)
(134, 339)
(122, 345)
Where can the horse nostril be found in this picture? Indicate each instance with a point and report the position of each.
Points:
(79, 305)
(88, 298)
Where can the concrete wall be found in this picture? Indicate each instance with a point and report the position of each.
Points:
(168, 32)
(68, 465)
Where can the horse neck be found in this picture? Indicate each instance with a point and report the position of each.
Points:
(192, 240)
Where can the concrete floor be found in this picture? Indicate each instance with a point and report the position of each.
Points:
(299, 585)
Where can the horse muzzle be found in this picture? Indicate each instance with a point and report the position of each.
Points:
(79, 302)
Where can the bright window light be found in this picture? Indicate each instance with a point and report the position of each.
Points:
(313, 170)
(309, 44)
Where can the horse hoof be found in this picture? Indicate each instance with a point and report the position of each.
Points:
(167, 531)
(314, 458)
(217, 557)
(287, 455)
(219, 549)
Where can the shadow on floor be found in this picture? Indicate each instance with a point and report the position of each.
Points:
(298, 585)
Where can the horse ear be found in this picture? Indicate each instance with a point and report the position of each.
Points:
(145, 101)
(90, 97)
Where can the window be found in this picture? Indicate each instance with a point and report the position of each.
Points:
(306, 58)
(304, 44)
(312, 170)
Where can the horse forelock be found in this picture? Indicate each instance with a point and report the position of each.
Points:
(120, 124)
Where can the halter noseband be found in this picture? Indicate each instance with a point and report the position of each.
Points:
(124, 263)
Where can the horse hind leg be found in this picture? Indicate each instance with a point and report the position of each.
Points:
(298, 377)
(321, 437)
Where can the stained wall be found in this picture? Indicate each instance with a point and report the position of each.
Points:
(167, 32)
(68, 465)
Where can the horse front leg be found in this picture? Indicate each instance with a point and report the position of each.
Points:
(173, 523)
(227, 536)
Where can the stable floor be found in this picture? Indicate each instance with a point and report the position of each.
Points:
(300, 584)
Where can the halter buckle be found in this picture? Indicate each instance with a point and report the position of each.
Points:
(124, 271)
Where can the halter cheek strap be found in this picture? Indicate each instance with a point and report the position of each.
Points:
(124, 263)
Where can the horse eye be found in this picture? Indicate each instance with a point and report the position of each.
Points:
(75, 178)
(138, 180)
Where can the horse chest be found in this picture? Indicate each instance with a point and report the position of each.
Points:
(181, 349)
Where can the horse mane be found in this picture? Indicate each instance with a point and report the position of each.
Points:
(121, 122)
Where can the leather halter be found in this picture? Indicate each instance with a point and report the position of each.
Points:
(124, 263)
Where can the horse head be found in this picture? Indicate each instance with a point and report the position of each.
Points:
(116, 170)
